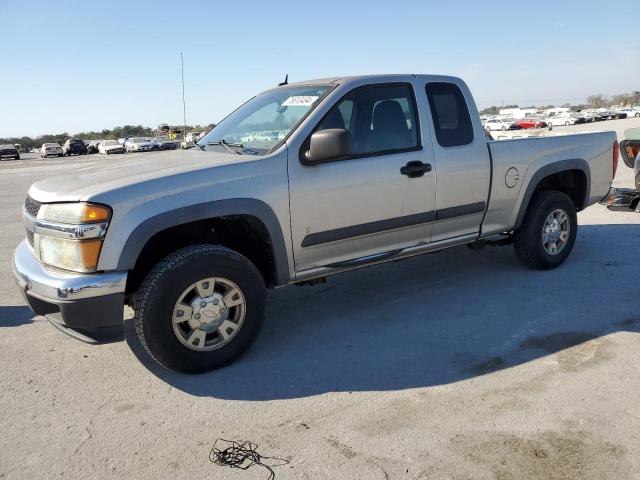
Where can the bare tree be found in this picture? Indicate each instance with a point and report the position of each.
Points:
(597, 101)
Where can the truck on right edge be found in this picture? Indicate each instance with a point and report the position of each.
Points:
(302, 181)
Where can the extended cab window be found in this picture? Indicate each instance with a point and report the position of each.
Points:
(380, 119)
(450, 114)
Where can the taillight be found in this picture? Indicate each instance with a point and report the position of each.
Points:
(616, 154)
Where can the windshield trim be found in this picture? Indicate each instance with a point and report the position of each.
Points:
(329, 88)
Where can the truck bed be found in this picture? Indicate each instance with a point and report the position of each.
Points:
(515, 162)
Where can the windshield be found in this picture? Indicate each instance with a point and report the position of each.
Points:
(138, 140)
(108, 143)
(265, 120)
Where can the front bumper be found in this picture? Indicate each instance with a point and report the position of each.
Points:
(83, 305)
(622, 199)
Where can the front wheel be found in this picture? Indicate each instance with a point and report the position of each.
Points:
(199, 308)
(547, 234)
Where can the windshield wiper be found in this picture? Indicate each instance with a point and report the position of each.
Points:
(229, 146)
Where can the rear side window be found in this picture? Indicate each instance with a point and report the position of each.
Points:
(450, 114)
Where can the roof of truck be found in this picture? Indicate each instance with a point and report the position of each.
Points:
(347, 78)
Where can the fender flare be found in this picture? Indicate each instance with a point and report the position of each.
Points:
(551, 169)
(202, 211)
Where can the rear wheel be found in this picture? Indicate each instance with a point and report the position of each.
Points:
(199, 308)
(547, 234)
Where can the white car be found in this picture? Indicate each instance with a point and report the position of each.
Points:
(48, 149)
(566, 120)
(194, 136)
(141, 144)
(500, 124)
(630, 111)
(110, 146)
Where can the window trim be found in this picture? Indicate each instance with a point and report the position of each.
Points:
(305, 144)
(433, 118)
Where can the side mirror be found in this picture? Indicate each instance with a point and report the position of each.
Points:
(330, 144)
(629, 150)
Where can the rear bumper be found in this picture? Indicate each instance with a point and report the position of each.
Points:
(88, 303)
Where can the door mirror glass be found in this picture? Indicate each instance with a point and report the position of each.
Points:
(330, 144)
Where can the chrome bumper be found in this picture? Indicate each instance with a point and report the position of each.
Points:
(622, 199)
(85, 302)
(56, 285)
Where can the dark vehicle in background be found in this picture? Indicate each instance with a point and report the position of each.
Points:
(168, 144)
(9, 151)
(93, 146)
(74, 146)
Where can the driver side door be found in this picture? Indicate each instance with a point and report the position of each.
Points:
(363, 205)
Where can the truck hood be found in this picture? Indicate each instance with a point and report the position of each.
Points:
(110, 174)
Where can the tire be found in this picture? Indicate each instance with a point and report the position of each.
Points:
(528, 239)
(637, 115)
(158, 296)
(504, 128)
(566, 124)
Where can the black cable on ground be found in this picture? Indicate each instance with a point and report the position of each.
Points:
(242, 455)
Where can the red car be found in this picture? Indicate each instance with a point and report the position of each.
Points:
(531, 123)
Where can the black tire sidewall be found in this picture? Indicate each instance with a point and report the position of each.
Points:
(156, 319)
(542, 204)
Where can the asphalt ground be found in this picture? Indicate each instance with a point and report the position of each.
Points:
(460, 365)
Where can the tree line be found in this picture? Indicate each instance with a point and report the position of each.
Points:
(598, 100)
(106, 134)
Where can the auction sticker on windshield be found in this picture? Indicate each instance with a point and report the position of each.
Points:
(300, 101)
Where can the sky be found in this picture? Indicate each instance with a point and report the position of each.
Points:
(75, 66)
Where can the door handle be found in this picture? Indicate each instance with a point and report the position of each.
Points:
(415, 169)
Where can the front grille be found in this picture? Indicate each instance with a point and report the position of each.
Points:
(32, 206)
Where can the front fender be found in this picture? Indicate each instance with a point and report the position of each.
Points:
(202, 211)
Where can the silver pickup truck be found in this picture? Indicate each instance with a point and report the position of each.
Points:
(301, 182)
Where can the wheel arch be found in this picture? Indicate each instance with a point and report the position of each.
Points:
(572, 176)
(259, 222)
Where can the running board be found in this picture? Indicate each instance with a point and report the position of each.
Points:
(397, 254)
(365, 260)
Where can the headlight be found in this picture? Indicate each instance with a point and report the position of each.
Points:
(70, 235)
(74, 213)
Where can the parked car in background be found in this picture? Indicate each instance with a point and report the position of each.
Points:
(531, 122)
(74, 146)
(9, 151)
(141, 144)
(110, 146)
(168, 144)
(627, 199)
(193, 136)
(570, 119)
(503, 124)
(630, 111)
(93, 146)
(50, 149)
